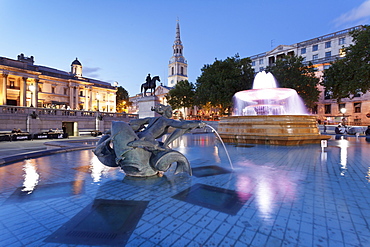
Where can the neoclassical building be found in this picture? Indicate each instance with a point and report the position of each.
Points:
(321, 51)
(22, 83)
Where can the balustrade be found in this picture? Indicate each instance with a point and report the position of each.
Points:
(5, 109)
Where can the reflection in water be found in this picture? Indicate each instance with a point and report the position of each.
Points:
(31, 177)
(343, 144)
(98, 169)
(270, 185)
(216, 155)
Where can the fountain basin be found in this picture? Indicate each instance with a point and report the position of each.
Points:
(271, 129)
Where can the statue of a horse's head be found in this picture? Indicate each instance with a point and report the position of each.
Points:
(156, 78)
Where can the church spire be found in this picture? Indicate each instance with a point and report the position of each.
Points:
(178, 40)
(177, 46)
(178, 66)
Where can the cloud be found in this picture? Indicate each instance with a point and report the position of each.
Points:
(358, 15)
(91, 72)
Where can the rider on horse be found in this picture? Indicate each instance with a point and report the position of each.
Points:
(148, 79)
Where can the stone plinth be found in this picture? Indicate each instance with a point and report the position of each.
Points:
(145, 105)
(271, 129)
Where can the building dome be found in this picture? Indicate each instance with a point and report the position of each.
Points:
(76, 62)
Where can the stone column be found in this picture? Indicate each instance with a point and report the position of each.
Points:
(77, 97)
(23, 92)
(71, 96)
(36, 93)
(86, 103)
(3, 85)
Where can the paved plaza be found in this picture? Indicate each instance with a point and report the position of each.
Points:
(268, 196)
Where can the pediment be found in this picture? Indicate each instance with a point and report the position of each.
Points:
(281, 48)
(161, 90)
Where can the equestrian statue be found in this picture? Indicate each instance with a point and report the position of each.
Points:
(149, 84)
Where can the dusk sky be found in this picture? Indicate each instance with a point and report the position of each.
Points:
(123, 41)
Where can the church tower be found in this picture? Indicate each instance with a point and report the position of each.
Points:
(178, 66)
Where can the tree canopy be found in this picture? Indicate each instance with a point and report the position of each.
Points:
(182, 95)
(221, 80)
(122, 99)
(350, 75)
(291, 72)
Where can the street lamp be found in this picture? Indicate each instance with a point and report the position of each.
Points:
(31, 88)
(97, 98)
(343, 111)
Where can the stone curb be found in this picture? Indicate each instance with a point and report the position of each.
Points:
(63, 148)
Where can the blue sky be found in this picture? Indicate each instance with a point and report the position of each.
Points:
(123, 41)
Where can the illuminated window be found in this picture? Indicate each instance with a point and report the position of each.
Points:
(12, 84)
(342, 53)
(357, 107)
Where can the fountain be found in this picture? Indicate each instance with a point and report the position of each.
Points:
(136, 146)
(267, 114)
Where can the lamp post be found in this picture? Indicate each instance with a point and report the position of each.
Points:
(343, 111)
(31, 88)
(97, 98)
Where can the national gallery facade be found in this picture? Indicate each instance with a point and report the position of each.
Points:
(22, 83)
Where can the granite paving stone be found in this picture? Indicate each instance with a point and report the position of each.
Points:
(299, 196)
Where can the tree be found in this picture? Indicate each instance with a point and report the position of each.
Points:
(122, 99)
(219, 82)
(350, 75)
(182, 95)
(290, 72)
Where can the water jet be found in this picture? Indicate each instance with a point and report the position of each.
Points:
(267, 114)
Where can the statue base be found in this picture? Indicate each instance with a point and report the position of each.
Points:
(145, 105)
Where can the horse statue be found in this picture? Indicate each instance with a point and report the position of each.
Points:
(150, 85)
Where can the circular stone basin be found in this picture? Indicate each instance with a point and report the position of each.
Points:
(265, 94)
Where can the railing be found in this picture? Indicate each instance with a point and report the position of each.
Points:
(6, 109)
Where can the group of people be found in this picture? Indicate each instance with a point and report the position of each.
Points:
(342, 129)
(15, 131)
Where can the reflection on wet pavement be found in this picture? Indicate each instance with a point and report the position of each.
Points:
(275, 196)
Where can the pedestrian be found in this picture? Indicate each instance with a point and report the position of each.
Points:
(367, 131)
